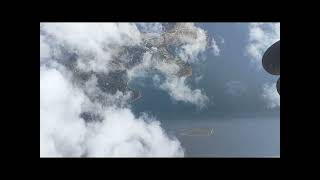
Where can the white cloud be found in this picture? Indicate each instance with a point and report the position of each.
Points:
(61, 130)
(215, 48)
(123, 135)
(193, 40)
(175, 85)
(270, 95)
(63, 133)
(180, 91)
(96, 47)
(261, 36)
(141, 70)
(94, 43)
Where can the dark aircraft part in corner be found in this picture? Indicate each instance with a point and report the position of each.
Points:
(271, 61)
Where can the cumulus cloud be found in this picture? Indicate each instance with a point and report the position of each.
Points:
(180, 91)
(95, 44)
(82, 114)
(178, 88)
(261, 36)
(194, 40)
(77, 54)
(61, 129)
(270, 95)
(122, 135)
(64, 134)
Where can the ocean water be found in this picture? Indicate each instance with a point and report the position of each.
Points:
(235, 134)
(234, 137)
(242, 124)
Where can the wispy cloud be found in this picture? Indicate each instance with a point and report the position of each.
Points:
(215, 48)
(270, 95)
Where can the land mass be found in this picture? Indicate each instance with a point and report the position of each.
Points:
(161, 46)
